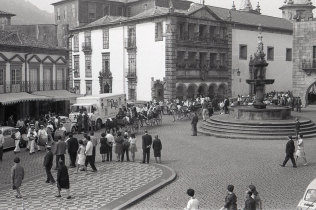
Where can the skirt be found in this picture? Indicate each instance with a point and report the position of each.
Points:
(157, 153)
(133, 148)
(81, 159)
(103, 150)
(300, 153)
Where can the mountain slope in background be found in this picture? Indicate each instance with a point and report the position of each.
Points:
(26, 12)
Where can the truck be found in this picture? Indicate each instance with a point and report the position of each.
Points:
(102, 106)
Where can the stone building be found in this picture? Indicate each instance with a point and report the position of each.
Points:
(5, 19)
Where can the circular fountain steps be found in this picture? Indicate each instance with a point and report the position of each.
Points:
(225, 126)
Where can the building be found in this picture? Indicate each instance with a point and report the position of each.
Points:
(5, 19)
(297, 9)
(34, 77)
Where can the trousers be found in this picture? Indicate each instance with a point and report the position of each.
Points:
(73, 157)
(125, 150)
(287, 157)
(49, 175)
(146, 153)
(109, 154)
(89, 159)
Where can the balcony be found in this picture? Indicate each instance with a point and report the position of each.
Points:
(130, 43)
(86, 47)
(201, 39)
(309, 66)
(131, 75)
(7, 87)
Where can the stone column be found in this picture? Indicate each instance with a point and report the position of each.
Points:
(171, 59)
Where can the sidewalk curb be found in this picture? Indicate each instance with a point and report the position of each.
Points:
(144, 194)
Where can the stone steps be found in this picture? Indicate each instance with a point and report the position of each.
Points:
(224, 127)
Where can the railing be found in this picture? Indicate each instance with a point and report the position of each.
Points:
(185, 65)
(202, 38)
(8, 87)
(86, 47)
(131, 75)
(309, 64)
(197, 74)
(130, 43)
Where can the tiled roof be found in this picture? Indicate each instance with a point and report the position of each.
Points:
(14, 38)
(2, 13)
(248, 18)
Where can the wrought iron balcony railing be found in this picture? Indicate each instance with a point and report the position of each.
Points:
(130, 43)
(86, 47)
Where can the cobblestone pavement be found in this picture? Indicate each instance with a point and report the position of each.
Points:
(208, 164)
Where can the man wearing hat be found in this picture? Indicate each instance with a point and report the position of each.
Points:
(289, 150)
(48, 164)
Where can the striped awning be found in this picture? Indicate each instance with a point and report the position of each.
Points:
(13, 98)
(57, 95)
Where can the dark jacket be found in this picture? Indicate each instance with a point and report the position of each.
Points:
(73, 145)
(60, 148)
(290, 147)
(146, 141)
(63, 177)
(48, 160)
(157, 145)
(195, 120)
(231, 202)
(250, 204)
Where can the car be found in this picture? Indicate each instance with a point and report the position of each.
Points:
(309, 199)
(68, 124)
(8, 140)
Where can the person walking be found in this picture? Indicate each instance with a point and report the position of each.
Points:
(300, 150)
(48, 164)
(17, 138)
(119, 146)
(103, 147)
(110, 140)
(297, 128)
(73, 147)
(157, 147)
(60, 151)
(256, 197)
(299, 104)
(63, 179)
(89, 155)
(32, 136)
(193, 203)
(81, 156)
(133, 147)
(146, 144)
(94, 141)
(17, 176)
(250, 203)
(194, 122)
(125, 148)
(231, 199)
(42, 138)
(289, 150)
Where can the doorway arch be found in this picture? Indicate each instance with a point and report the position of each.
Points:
(192, 89)
(310, 97)
(203, 90)
(181, 91)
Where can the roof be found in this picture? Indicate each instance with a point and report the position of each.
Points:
(102, 95)
(122, 1)
(12, 98)
(248, 18)
(2, 13)
(57, 95)
(15, 38)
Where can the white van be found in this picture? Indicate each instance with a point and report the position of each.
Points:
(102, 106)
(309, 199)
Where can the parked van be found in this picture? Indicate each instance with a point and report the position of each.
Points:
(309, 199)
(102, 106)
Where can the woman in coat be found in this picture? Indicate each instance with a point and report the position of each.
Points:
(119, 146)
(157, 146)
(17, 176)
(63, 179)
(103, 147)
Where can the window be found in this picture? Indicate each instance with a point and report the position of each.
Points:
(58, 13)
(15, 75)
(76, 66)
(158, 32)
(92, 10)
(76, 43)
(213, 60)
(119, 11)
(77, 86)
(270, 53)
(106, 62)
(222, 59)
(106, 10)
(129, 11)
(88, 66)
(73, 10)
(87, 38)
(132, 64)
(89, 87)
(106, 38)
(288, 54)
(2, 69)
(243, 52)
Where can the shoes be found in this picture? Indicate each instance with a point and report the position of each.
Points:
(69, 197)
(18, 196)
(47, 181)
(82, 169)
(281, 165)
(57, 196)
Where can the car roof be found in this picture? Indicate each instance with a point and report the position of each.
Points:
(312, 185)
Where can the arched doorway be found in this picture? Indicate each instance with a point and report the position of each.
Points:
(192, 89)
(106, 88)
(202, 90)
(311, 94)
(212, 91)
(181, 91)
(221, 91)
(159, 91)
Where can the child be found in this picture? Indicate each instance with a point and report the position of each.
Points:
(193, 203)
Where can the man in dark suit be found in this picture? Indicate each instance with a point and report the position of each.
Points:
(231, 199)
(194, 122)
(250, 203)
(290, 149)
(72, 150)
(146, 144)
(48, 164)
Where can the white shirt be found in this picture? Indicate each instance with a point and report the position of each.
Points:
(89, 148)
(132, 140)
(300, 144)
(109, 137)
(193, 204)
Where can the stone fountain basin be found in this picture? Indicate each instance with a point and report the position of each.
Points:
(270, 113)
(260, 81)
